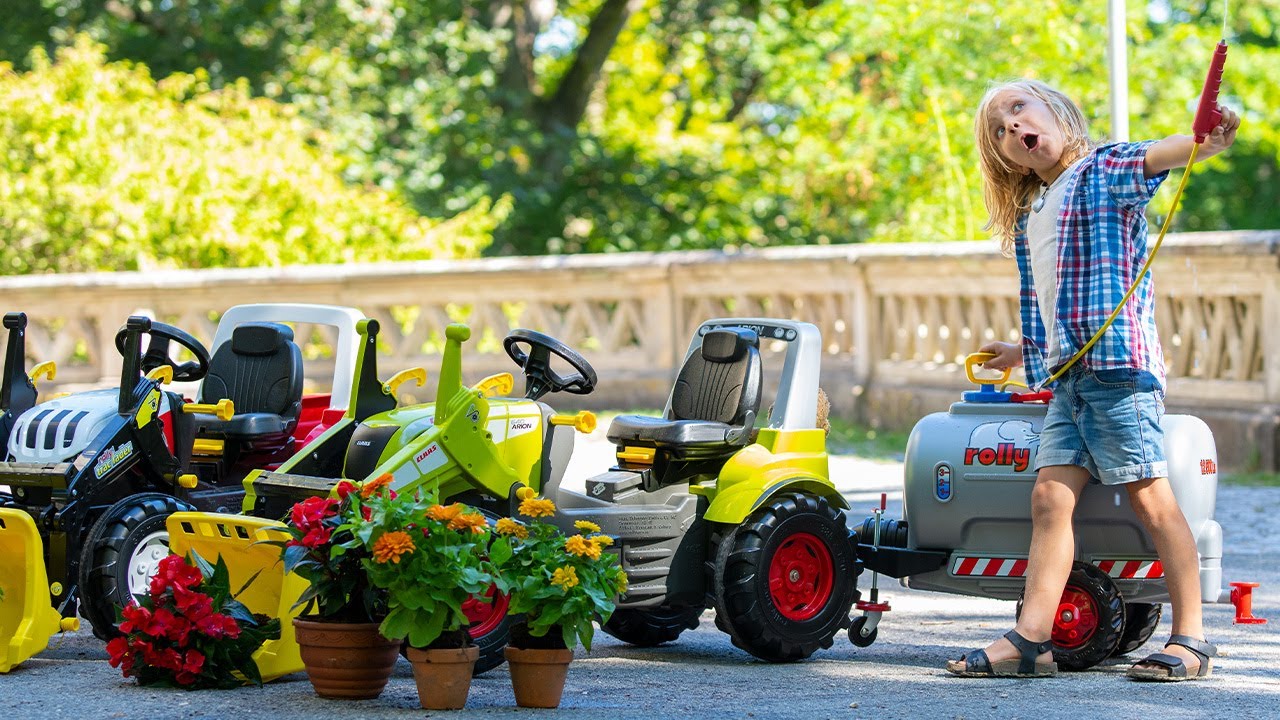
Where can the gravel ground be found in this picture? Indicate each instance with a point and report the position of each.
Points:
(899, 676)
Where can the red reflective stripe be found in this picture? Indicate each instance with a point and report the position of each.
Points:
(1106, 565)
(1130, 569)
(1156, 570)
(1019, 569)
(966, 566)
(993, 567)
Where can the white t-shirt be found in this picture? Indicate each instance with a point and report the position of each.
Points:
(1042, 245)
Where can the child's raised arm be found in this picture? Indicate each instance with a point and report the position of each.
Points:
(1173, 151)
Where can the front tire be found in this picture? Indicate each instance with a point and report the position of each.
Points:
(785, 579)
(121, 554)
(490, 629)
(650, 628)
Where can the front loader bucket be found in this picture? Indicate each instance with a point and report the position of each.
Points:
(27, 620)
(272, 592)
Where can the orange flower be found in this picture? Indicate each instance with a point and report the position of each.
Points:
(368, 489)
(507, 526)
(445, 513)
(602, 541)
(586, 526)
(578, 545)
(391, 546)
(536, 507)
(474, 521)
(564, 577)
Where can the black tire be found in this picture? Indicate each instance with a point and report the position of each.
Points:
(1140, 623)
(109, 548)
(855, 632)
(779, 627)
(491, 637)
(650, 628)
(1092, 632)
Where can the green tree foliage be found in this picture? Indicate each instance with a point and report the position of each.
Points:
(107, 169)
(658, 124)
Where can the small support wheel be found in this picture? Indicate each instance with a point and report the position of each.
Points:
(857, 637)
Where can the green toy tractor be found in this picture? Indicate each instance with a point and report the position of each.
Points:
(706, 509)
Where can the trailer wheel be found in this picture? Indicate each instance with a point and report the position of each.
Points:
(1140, 622)
(856, 635)
(121, 554)
(1090, 619)
(785, 579)
(490, 628)
(649, 628)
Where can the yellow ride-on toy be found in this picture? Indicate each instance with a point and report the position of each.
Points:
(705, 509)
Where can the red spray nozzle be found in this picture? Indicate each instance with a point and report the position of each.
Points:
(1207, 114)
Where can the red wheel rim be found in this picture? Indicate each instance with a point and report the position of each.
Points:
(1077, 619)
(801, 576)
(484, 616)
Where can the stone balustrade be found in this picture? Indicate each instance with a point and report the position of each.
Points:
(896, 320)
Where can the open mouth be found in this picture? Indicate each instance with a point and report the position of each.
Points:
(1031, 141)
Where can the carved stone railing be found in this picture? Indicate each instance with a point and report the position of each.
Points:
(896, 320)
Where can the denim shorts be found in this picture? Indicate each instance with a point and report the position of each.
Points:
(1107, 422)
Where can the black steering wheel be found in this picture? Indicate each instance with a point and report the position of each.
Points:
(539, 378)
(157, 351)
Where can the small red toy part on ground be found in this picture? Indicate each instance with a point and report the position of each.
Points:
(1242, 599)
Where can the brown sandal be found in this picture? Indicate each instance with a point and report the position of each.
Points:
(1171, 668)
(975, 663)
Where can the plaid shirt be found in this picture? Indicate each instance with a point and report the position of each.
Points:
(1102, 244)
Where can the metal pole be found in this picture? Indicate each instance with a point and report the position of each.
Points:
(1118, 67)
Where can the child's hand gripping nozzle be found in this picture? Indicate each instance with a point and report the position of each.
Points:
(1207, 114)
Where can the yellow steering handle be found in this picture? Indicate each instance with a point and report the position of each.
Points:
(418, 375)
(973, 359)
(48, 369)
(499, 385)
(583, 421)
(224, 409)
(164, 374)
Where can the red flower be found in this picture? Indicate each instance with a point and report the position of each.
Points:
(119, 655)
(312, 512)
(366, 512)
(136, 617)
(174, 572)
(218, 626)
(344, 489)
(193, 662)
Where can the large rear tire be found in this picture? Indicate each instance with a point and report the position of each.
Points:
(121, 554)
(784, 581)
(1090, 619)
(490, 629)
(650, 628)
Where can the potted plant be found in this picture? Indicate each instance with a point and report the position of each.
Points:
(561, 584)
(189, 631)
(429, 559)
(344, 654)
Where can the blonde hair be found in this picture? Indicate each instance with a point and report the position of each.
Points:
(1008, 191)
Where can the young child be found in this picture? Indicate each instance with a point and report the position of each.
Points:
(1071, 211)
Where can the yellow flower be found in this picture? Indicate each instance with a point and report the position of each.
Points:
(474, 521)
(586, 526)
(564, 577)
(445, 513)
(578, 545)
(526, 492)
(374, 485)
(536, 507)
(507, 526)
(602, 541)
(622, 581)
(391, 546)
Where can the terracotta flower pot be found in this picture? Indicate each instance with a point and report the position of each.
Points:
(348, 661)
(538, 676)
(443, 676)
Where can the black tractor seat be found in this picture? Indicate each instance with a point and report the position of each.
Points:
(260, 371)
(713, 404)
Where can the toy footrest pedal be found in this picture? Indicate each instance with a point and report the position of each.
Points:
(237, 539)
